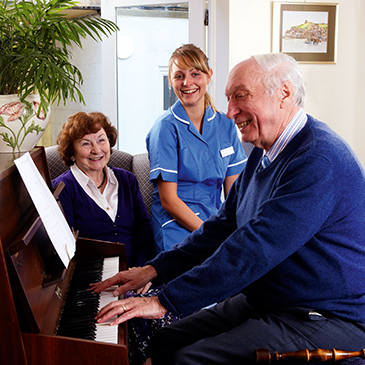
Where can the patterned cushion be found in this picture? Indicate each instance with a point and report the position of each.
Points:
(141, 169)
(138, 164)
(55, 164)
(121, 159)
(247, 147)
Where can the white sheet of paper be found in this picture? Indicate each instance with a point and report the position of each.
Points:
(52, 217)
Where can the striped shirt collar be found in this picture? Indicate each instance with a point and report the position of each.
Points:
(291, 130)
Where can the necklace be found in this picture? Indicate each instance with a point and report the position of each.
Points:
(103, 180)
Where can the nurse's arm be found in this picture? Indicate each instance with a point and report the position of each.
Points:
(176, 207)
(228, 181)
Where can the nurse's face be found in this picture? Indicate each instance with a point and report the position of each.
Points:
(189, 85)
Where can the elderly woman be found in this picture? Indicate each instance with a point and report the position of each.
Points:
(101, 202)
(105, 203)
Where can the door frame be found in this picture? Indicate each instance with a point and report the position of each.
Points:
(197, 35)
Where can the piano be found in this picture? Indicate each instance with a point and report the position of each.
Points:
(35, 287)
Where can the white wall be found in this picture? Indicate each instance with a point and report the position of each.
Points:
(335, 92)
(218, 50)
(140, 77)
(88, 60)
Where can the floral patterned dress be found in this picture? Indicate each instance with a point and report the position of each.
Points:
(140, 330)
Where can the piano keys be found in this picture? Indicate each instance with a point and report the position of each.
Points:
(82, 305)
(34, 283)
(104, 332)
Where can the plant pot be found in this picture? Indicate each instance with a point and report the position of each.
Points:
(20, 127)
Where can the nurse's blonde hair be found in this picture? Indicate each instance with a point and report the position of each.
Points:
(191, 56)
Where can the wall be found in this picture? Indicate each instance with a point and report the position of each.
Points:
(154, 38)
(334, 91)
(88, 60)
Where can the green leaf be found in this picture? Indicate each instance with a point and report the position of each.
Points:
(35, 43)
(8, 140)
(34, 128)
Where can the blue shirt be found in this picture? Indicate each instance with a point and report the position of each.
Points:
(198, 163)
(290, 131)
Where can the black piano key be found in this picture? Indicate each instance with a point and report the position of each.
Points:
(81, 307)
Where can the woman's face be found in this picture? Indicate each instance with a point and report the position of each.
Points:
(189, 85)
(92, 151)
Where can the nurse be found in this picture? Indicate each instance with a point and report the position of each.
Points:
(194, 150)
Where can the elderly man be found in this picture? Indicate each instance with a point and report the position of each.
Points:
(284, 256)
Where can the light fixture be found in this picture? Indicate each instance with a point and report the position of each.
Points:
(125, 47)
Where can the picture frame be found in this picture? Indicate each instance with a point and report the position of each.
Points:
(305, 31)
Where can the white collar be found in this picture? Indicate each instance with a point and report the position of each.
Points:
(85, 181)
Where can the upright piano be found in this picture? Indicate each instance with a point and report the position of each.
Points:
(35, 286)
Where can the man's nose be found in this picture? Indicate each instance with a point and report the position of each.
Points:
(231, 110)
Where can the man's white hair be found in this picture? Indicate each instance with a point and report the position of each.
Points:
(278, 68)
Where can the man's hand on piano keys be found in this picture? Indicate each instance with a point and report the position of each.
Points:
(132, 279)
(143, 307)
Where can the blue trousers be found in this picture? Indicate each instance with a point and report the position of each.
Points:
(229, 332)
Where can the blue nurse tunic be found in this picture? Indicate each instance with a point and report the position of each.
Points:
(198, 163)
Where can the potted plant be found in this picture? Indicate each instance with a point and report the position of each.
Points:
(36, 40)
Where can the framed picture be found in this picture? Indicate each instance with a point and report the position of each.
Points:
(305, 31)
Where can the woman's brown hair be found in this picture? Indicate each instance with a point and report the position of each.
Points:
(77, 126)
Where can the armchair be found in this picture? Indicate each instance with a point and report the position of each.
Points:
(137, 164)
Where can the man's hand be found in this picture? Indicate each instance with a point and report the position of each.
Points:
(132, 279)
(143, 307)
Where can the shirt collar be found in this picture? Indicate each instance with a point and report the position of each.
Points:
(81, 178)
(180, 114)
(85, 181)
(292, 129)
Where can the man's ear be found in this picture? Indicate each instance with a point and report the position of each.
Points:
(286, 92)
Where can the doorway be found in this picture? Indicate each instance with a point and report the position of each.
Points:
(135, 61)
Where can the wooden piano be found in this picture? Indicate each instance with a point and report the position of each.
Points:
(34, 284)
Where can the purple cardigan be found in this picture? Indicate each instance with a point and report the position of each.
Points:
(132, 225)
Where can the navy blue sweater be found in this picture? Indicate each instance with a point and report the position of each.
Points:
(290, 235)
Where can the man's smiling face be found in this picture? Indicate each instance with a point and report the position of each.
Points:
(256, 113)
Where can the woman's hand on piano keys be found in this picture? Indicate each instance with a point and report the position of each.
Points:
(143, 307)
(132, 279)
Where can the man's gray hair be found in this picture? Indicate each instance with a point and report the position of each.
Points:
(279, 67)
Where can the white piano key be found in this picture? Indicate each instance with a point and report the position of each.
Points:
(106, 333)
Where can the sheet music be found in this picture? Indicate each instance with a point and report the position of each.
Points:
(52, 217)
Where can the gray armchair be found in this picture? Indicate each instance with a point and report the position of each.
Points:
(137, 164)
